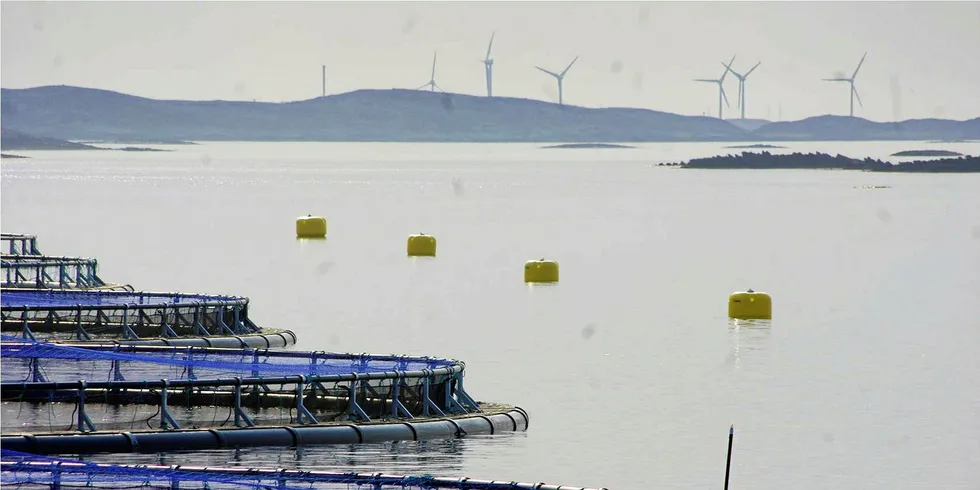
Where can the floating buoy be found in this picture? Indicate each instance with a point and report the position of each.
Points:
(310, 226)
(541, 271)
(421, 245)
(750, 305)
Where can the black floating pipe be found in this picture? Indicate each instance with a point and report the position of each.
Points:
(278, 436)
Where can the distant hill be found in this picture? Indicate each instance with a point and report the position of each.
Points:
(15, 140)
(844, 128)
(76, 113)
(748, 124)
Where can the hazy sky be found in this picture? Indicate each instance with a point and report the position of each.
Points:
(923, 57)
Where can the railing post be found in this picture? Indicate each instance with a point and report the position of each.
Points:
(240, 416)
(427, 403)
(84, 423)
(301, 411)
(167, 421)
(80, 331)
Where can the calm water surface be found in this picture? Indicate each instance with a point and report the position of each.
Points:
(867, 377)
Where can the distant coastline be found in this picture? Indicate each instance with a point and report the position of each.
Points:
(823, 161)
(403, 116)
(756, 146)
(14, 140)
(586, 145)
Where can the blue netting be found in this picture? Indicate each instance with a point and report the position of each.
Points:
(27, 469)
(21, 469)
(20, 299)
(21, 361)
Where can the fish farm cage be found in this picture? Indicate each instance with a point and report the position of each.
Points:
(30, 470)
(18, 244)
(89, 315)
(113, 398)
(45, 272)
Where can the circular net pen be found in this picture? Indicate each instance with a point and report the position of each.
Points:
(22, 469)
(74, 399)
(18, 244)
(93, 315)
(44, 272)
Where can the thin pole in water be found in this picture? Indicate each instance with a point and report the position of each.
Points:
(728, 465)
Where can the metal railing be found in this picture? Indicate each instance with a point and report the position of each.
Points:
(44, 272)
(18, 244)
(87, 315)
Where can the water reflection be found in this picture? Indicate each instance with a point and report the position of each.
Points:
(438, 457)
(750, 339)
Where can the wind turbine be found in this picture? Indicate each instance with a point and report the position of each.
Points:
(559, 77)
(721, 87)
(432, 81)
(488, 67)
(740, 103)
(854, 92)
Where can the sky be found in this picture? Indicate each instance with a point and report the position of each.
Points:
(923, 58)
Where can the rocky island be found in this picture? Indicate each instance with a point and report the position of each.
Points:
(766, 160)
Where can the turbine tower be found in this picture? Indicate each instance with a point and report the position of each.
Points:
(488, 67)
(740, 103)
(432, 80)
(854, 92)
(559, 77)
(323, 79)
(721, 87)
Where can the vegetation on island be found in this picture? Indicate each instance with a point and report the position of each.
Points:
(766, 160)
(927, 153)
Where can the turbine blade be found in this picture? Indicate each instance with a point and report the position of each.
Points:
(856, 95)
(423, 86)
(859, 66)
(722, 88)
(491, 44)
(569, 66)
(433, 66)
(753, 69)
(836, 80)
(705, 80)
(548, 72)
(727, 69)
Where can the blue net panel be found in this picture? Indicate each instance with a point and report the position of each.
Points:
(26, 361)
(129, 386)
(22, 469)
(71, 299)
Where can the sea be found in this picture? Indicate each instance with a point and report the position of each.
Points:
(867, 376)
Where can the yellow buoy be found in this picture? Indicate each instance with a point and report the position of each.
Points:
(541, 271)
(421, 245)
(750, 305)
(311, 227)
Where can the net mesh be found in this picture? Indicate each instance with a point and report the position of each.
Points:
(71, 299)
(29, 470)
(206, 387)
(18, 362)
